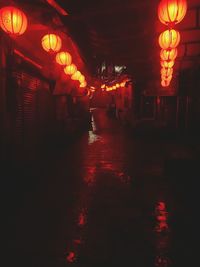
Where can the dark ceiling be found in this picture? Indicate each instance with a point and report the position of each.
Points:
(121, 32)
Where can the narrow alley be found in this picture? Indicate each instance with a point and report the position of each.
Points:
(109, 199)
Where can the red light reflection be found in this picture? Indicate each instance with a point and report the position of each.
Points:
(162, 237)
(71, 257)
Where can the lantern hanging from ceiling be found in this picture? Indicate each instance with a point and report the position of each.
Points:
(63, 58)
(81, 78)
(51, 43)
(13, 21)
(168, 54)
(83, 84)
(166, 78)
(165, 83)
(166, 71)
(169, 39)
(71, 69)
(76, 75)
(167, 64)
(171, 12)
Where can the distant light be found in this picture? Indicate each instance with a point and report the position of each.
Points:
(57, 7)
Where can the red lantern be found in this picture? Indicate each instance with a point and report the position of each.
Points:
(165, 83)
(171, 12)
(166, 78)
(63, 58)
(83, 84)
(169, 39)
(81, 79)
(76, 75)
(168, 54)
(13, 21)
(51, 43)
(166, 71)
(70, 70)
(167, 64)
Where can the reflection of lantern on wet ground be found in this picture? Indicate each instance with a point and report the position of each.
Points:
(13, 21)
(171, 12)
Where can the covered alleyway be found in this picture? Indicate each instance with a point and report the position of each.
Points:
(110, 198)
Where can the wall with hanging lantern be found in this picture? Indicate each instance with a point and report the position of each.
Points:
(170, 13)
(27, 49)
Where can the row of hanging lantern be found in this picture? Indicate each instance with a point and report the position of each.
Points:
(52, 43)
(14, 22)
(170, 12)
(113, 87)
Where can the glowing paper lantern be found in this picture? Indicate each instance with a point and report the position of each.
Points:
(13, 21)
(166, 71)
(76, 75)
(171, 12)
(166, 78)
(169, 39)
(167, 64)
(83, 84)
(70, 70)
(165, 83)
(81, 79)
(51, 43)
(63, 58)
(168, 54)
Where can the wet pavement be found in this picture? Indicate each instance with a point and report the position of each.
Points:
(111, 198)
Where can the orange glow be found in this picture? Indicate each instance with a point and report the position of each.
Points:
(83, 84)
(166, 71)
(63, 58)
(169, 39)
(171, 12)
(168, 54)
(103, 86)
(70, 70)
(81, 78)
(13, 21)
(51, 43)
(167, 64)
(76, 75)
(165, 83)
